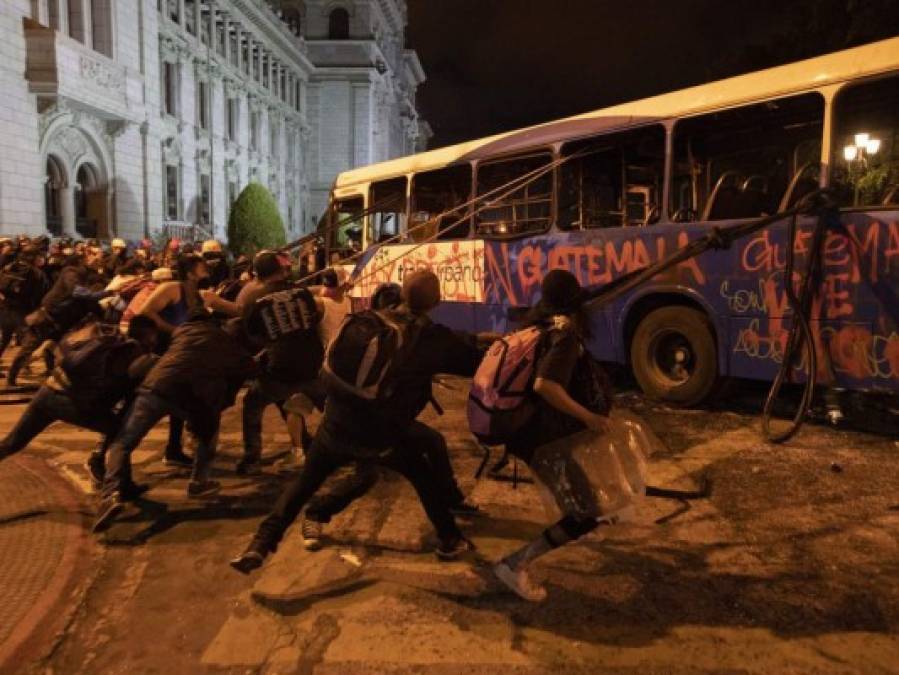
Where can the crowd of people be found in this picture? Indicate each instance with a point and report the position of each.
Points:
(131, 336)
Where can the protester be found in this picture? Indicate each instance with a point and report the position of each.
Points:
(195, 380)
(96, 373)
(291, 364)
(169, 306)
(22, 286)
(384, 432)
(571, 395)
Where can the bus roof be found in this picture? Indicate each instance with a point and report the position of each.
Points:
(870, 59)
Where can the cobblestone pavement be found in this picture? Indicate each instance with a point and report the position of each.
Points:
(792, 565)
(40, 547)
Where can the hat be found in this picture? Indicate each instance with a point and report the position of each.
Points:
(162, 274)
(211, 246)
(118, 243)
(266, 264)
(561, 293)
(421, 291)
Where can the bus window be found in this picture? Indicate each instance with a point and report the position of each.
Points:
(388, 210)
(347, 233)
(613, 180)
(745, 162)
(436, 192)
(526, 209)
(866, 144)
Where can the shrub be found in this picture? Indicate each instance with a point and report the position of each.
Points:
(255, 223)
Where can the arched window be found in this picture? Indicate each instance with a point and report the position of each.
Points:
(85, 183)
(53, 185)
(339, 24)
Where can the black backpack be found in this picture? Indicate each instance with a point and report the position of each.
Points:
(283, 313)
(83, 356)
(369, 350)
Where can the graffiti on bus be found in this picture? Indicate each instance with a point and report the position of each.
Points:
(857, 286)
(514, 270)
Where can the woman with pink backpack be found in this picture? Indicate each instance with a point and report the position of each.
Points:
(535, 388)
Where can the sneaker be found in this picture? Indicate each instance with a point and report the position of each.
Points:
(110, 507)
(519, 582)
(248, 467)
(203, 488)
(252, 558)
(466, 509)
(311, 531)
(453, 548)
(292, 461)
(96, 467)
(134, 491)
(179, 460)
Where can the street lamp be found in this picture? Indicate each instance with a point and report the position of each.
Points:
(863, 148)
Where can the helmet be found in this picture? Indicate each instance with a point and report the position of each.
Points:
(118, 243)
(211, 246)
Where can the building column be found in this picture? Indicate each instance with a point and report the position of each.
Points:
(182, 20)
(213, 29)
(226, 24)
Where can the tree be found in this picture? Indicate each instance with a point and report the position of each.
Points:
(255, 222)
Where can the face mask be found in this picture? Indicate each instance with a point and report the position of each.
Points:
(204, 283)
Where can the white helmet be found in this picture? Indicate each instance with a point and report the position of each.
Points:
(118, 243)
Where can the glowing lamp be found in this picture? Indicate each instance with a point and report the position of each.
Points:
(872, 146)
(861, 140)
(850, 152)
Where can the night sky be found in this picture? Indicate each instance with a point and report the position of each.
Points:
(496, 65)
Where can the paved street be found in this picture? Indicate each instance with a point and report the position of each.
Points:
(791, 566)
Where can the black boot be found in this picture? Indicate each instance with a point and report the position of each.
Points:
(253, 557)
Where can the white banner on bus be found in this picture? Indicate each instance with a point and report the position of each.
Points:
(458, 264)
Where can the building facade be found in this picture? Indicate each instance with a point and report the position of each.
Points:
(123, 118)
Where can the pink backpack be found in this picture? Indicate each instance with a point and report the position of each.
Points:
(500, 402)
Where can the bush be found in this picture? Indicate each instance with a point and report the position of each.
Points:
(255, 223)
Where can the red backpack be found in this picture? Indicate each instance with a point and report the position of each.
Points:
(500, 402)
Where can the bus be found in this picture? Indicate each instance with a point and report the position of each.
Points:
(614, 190)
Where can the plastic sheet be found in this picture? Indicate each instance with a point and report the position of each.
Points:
(591, 475)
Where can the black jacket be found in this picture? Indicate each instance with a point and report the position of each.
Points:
(368, 424)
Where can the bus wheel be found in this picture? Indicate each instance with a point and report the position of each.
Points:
(674, 356)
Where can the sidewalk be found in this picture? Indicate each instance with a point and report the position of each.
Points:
(44, 554)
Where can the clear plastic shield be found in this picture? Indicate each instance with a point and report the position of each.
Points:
(592, 475)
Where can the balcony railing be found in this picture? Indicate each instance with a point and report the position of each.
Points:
(187, 232)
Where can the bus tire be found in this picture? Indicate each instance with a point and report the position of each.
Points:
(674, 355)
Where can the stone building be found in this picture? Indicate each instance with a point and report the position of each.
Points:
(122, 117)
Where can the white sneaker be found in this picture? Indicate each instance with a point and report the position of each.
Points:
(292, 461)
(519, 582)
(311, 531)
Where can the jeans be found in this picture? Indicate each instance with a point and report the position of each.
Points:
(145, 412)
(362, 476)
(407, 457)
(49, 406)
(12, 323)
(30, 344)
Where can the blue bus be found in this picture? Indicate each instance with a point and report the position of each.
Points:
(611, 191)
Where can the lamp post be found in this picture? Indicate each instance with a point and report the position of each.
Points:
(863, 147)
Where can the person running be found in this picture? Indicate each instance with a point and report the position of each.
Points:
(195, 380)
(168, 306)
(386, 432)
(572, 395)
(95, 375)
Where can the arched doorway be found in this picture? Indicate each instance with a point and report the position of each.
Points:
(54, 183)
(90, 202)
